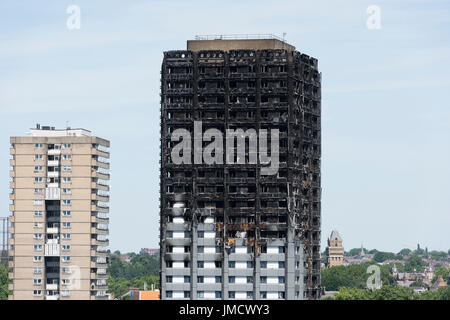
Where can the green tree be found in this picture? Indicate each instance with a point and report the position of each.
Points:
(4, 281)
(389, 292)
(383, 256)
(415, 262)
(438, 255)
(356, 251)
(346, 293)
(404, 252)
(440, 271)
(439, 294)
(118, 286)
(141, 269)
(353, 276)
(386, 292)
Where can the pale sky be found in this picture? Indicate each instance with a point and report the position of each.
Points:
(385, 107)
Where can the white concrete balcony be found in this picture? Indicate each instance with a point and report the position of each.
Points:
(52, 193)
(53, 152)
(51, 286)
(53, 174)
(53, 163)
(52, 297)
(53, 230)
(53, 185)
(51, 250)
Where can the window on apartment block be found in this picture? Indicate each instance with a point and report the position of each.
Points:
(38, 179)
(37, 281)
(66, 213)
(65, 293)
(66, 225)
(37, 293)
(38, 213)
(65, 270)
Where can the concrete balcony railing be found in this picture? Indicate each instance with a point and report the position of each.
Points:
(53, 230)
(51, 286)
(95, 286)
(51, 249)
(11, 264)
(53, 174)
(12, 174)
(95, 196)
(99, 231)
(52, 297)
(100, 153)
(10, 286)
(99, 209)
(99, 264)
(52, 193)
(12, 151)
(53, 163)
(95, 242)
(12, 162)
(103, 176)
(95, 185)
(53, 152)
(100, 164)
(11, 275)
(99, 219)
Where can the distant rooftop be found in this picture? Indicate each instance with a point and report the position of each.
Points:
(238, 42)
(47, 131)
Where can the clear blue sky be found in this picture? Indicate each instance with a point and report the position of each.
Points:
(386, 101)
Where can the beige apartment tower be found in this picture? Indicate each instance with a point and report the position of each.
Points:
(59, 215)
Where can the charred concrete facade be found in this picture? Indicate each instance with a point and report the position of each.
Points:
(226, 230)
